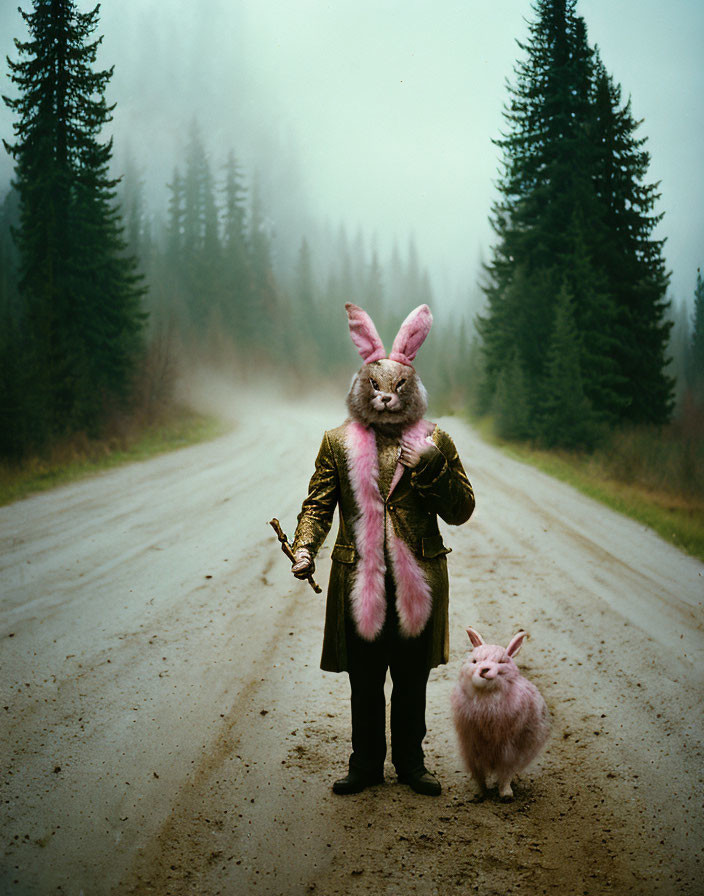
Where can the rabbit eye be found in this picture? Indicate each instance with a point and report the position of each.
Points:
(374, 383)
(399, 384)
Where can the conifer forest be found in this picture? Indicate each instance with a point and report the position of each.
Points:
(568, 329)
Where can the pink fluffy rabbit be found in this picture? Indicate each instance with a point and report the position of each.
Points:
(500, 717)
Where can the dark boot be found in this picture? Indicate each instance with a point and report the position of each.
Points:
(422, 781)
(355, 781)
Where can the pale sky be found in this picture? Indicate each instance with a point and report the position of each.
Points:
(385, 110)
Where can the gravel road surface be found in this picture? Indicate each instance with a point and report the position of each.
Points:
(167, 729)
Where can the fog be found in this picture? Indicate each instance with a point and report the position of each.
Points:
(381, 114)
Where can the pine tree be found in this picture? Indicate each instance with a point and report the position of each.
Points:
(510, 328)
(545, 177)
(336, 348)
(473, 375)
(20, 417)
(595, 317)
(304, 291)
(265, 301)
(201, 241)
(237, 275)
(679, 350)
(131, 196)
(697, 343)
(632, 260)
(80, 294)
(9, 219)
(333, 348)
(107, 296)
(169, 288)
(175, 222)
(574, 212)
(565, 418)
(305, 330)
(511, 404)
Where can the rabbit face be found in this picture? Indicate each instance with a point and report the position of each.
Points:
(387, 393)
(488, 668)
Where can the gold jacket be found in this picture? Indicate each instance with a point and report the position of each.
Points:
(438, 487)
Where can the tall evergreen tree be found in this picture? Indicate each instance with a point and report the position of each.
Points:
(265, 298)
(697, 344)
(306, 324)
(175, 220)
(169, 290)
(19, 415)
(545, 177)
(679, 350)
(511, 405)
(575, 213)
(333, 349)
(237, 275)
(305, 291)
(201, 240)
(9, 218)
(80, 294)
(631, 258)
(131, 195)
(595, 319)
(565, 418)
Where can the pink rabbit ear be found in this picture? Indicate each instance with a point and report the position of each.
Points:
(515, 643)
(474, 637)
(364, 334)
(412, 335)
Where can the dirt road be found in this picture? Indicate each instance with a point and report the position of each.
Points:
(167, 729)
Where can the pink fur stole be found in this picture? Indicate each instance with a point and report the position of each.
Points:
(413, 597)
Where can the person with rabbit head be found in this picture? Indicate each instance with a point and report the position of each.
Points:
(391, 473)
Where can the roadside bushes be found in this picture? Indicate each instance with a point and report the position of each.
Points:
(667, 458)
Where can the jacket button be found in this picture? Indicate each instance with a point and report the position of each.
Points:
(391, 507)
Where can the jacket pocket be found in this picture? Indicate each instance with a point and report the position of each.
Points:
(343, 553)
(432, 546)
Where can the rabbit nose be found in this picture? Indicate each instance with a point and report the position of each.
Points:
(386, 398)
(484, 672)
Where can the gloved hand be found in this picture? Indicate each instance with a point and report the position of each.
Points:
(411, 456)
(304, 565)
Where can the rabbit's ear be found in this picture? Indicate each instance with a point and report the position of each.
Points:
(364, 334)
(412, 335)
(515, 643)
(474, 637)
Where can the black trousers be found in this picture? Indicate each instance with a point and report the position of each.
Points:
(368, 661)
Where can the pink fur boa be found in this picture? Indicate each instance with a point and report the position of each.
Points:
(413, 597)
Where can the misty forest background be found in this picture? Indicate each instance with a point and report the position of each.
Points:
(103, 294)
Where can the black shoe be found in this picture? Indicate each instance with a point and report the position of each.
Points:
(422, 781)
(355, 781)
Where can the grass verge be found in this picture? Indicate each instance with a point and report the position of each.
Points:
(80, 456)
(676, 515)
